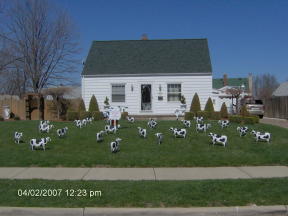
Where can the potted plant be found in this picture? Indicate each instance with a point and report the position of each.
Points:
(106, 102)
(183, 102)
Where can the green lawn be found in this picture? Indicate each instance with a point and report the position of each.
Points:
(80, 149)
(149, 193)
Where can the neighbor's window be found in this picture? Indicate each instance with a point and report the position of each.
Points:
(118, 92)
(174, 92)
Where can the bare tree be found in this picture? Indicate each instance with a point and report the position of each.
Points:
(264, 86)
(235, 93)
(59, 101)
(43, 41)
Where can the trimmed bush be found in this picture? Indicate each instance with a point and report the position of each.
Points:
(235, 118)
(189, 115)
(124, 115)
(16, 118)
(85, 114)
(195, 104)
(243, 111)
(81, 107)
(204, 114)
(215, 116)
(209, 106)
(97, 115)
(93, 105)
(224, 111)
(72, 115)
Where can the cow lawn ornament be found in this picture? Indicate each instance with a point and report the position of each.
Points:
(215, 138)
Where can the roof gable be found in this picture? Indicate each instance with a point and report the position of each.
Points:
(148, 57)
(282, 90)
(218, 83)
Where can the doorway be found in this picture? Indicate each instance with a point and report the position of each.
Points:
(146, 104)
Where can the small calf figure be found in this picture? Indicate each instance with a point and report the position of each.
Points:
(178, 132)
(159, 137)
(142, 132)
(222, 139)
(199, 120)
(224, 123)
(130, 119)
(261, 136)
(186, 123)
(152, 123)
(78, 123)
(99, 136)
(17, 137)
(202, 127)
(62, 132)
(115, 145)
(111, 129)
(242, 131)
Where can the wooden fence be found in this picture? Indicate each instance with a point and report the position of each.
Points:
(17, 106)
(277, 107)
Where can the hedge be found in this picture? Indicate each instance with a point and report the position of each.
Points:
(84, 114)
(224, 111)
(16, 118)
(195, 104)
(244, 119)
(209, 115)
(189, 115)
(97, 115)
(72, 115)
(93, 105)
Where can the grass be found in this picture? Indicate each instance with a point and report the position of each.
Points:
(80, 149)
(150, 193)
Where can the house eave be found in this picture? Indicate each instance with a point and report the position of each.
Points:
(147, 75)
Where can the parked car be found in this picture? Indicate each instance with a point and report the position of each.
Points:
(255, 107)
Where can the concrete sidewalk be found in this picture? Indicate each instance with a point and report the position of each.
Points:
(274, 121)
(136, 174)
(205, 211)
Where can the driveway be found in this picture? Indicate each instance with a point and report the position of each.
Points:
(274, 121)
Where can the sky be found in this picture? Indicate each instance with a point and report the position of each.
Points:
(244, 36)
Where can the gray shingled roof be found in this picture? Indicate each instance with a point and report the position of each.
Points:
(282, 90)
(148, 57)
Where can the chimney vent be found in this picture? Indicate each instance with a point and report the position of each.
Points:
(144, 37)
(225, 80)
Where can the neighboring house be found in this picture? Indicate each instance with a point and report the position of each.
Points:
(281, 91)
(220, 87)
(147, 76)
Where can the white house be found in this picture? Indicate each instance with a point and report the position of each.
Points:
(221, 94)
(147, 76)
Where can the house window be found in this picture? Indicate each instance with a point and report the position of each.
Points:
(118, 93)
(174, 92)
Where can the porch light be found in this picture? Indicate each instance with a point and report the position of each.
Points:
(160, 88)
(132, 87)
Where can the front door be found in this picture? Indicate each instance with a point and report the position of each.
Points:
(146, 104)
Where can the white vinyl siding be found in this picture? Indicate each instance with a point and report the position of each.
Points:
(173, 92)
(118, 92)
(101, 88)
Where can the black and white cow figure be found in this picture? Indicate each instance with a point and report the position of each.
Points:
(35, 143)
(99, 136)
(159, 137)
(17, 137)
(78, 123)
(261, 136)
(199, 119)
(242, 131)
(62, 132)
(45, 128)
(115, 145)
(222, 139)
(202, 127)
(111, 129)
(142, 132)
(130, 119)
(186, 123)
(178, 132)
(152, 123)
(223, 123)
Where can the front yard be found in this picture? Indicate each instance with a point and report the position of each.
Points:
(80, 149)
